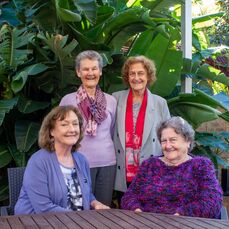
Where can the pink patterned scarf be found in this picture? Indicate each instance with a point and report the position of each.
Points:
(93, 110)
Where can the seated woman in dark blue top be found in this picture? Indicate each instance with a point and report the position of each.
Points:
(57, 178)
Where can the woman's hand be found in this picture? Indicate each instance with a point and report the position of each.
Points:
(98, 205)
(138, 210)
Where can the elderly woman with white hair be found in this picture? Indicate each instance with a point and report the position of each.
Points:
(98, 110)
(177, 182)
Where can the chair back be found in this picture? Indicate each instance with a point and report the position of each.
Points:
(15, 178)
(223, 213)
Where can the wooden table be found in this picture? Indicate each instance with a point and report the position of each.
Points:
(103, 219)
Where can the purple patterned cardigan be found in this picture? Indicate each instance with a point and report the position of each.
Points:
(190, 189)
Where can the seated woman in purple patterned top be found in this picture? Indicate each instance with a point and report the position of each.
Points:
(175, 183)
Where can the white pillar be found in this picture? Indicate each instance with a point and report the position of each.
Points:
(186, 40)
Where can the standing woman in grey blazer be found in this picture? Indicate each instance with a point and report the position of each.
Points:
(138, 114)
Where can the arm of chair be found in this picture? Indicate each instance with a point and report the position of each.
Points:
(4, 211)
(223, 213)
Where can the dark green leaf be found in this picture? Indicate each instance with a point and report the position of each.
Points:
(35, 69)
(88, 8)
(26, 134)
(5, 157)
(28, 106)
(4, 191)
(103, 13)
(6, 106)
(68, 16)
(19, 81)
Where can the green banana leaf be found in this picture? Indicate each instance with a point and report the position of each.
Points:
(26, 134)
(18, 82)
(141, 43)
(207, 17)
(88, 8)
(35, 69)
(5, 157)
(115, 24)
(12, 50)
(189, 111)
(68, 16)
(103, 13)
(58, 45)
(160, 5)
(4, 191)
(6, 106)
(168, 63)
(197, 108)
(20, 79)
(27, 106)
(215, 140)
(208, 72)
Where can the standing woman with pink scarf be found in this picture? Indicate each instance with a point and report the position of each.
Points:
(98, 110)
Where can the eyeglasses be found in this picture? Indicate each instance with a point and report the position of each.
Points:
(133, 74)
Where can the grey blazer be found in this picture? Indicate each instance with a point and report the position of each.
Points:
(156, 111)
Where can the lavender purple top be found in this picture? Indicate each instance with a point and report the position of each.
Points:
(99, 150)
(190, 189)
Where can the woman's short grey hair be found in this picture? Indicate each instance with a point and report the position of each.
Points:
(91, 55)
(181, 127)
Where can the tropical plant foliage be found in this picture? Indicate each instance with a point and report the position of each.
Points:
(38, 44)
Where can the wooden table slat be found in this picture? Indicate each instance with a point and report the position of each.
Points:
(41, 221)
(173, 222)
(122, 223)
(128, 218)
(145, 221)
(80, 221)
(88, 216)
(4, 223)
(160, 223)
(28, 221)
(192, 224)
(106, 221)
(215, 224)
(54, 221)
(202, 224)
(67, 221)
(224, 222)
(15, 221)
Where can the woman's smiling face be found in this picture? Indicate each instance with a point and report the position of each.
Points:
(89, 73)
(67, 131)
(174, 146)
(138, 77)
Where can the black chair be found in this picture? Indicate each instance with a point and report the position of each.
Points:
(15, 178)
